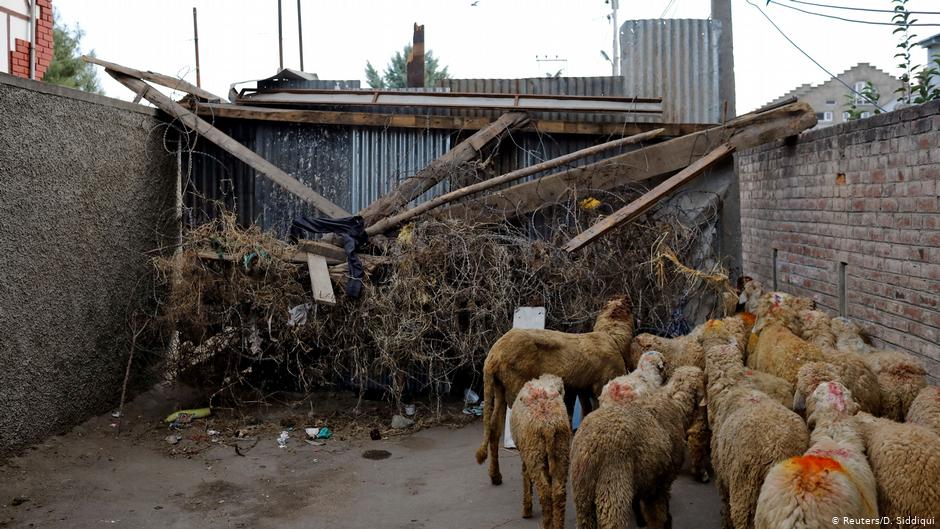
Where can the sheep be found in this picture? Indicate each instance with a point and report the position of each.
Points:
(831, 480)
(583, 361)
(815, 328)
(626, 388)
(542, 433)
(905, 459)
(751, 292)
(899, 375)
(629, 455)
(925, 409)
(751, 432)
(780, 352)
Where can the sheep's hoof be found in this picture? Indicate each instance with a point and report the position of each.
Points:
(497, 479)
(527, 514)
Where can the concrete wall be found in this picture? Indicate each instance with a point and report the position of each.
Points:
(86, 188)
(863, 193)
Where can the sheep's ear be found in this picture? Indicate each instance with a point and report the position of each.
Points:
(799, 402)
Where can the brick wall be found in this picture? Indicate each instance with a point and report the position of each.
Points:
(19, 56)
(863, 193)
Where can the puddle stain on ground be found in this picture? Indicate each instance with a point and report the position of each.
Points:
(376, 454)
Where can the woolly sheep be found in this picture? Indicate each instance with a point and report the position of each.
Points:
(626, 454)
(583, 361)
(780, 352)
(925, 409)
(626, 388)
(542, 433)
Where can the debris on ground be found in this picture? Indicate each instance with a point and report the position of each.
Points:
(399, 422)
(282, 439)
(186, 416)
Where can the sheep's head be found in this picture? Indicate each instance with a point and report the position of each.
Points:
(844, 327)
(619, 308)
(809, 377)
(538, 393)
(618, 391)
(616, 318)
(553, 383)
(750, 292)
(830, 399)
(651, 365)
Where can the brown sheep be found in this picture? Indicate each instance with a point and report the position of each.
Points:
(925, 409)
(751, 433)
(627, 454)
(900, 376)
(906, 461)
(780, 352)
(585, 362)
(831, 480)
(542, 433)
(626, 388)
(751, 292)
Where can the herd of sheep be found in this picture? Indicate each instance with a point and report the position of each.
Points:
(803, 423)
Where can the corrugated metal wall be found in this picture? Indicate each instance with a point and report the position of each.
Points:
(676, 59)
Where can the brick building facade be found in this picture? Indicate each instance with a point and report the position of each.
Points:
(849, 216)
(15, 18)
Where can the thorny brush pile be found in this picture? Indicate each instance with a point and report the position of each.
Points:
(423, 320)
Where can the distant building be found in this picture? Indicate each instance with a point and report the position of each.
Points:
(15, 36)
(830, 100)
(932, 45)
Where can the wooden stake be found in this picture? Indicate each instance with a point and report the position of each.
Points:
(154, 77)
(320, 279)
(637, 207)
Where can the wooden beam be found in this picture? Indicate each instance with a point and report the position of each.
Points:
(390, 222)
(320, 282)
(639, 206)
(334, 254)
(412, 121)
(154, 77)
(465, 151)
(201, 127)
(746, 131)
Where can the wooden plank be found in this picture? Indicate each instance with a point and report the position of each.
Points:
(424, 121)
(639, 206)
(465, 151)
(395, 220)
(334, 254)
(320, 279)
(657, 160)
(201, 127)
(154, 77)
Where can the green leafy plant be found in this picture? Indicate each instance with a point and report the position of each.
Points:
(395, 74)
(67, 67)
(903, 21)
(871, 95)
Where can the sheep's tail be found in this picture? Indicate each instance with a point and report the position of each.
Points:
(489, 395)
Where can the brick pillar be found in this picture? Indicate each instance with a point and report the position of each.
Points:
(19, 56)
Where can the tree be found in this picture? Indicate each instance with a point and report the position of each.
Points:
(395, 74)
(67, 67)
(869, 95)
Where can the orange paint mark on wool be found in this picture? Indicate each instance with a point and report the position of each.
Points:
(621, 393)
(812, 471)
(752, 342)
(748, 318)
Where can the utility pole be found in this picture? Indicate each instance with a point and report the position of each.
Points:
(300, 35)
(196, 43)
(615, 58)
(721, 12)
(280, 38)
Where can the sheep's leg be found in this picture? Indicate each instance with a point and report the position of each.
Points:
(558, 476)
(614, 499)
(638, 512)
(698, 440)
(725, 502)
(656, 510)
(526, 492)
(585, 515)
(496, 431)
(743, 502)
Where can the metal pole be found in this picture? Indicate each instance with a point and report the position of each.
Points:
(300, 35)
(615, 62)
(196, 43)
(280, 38)
(32, 39)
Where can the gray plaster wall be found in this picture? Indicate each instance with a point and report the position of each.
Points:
(87, 189)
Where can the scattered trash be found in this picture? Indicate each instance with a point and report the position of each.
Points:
(375, 434)
(470, 397)
(282, 439)
(312, 432)
(474, 410)
(376, 454)
(116, 414)
(185, 416)
(173, 439)
(212, 432)
(318, 433)
(19, 500)
(409, 409)
(399, 422)
(298, 315)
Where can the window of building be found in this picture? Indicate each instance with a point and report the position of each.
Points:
(866, 114)
(827, 116)
(860, 87)
(845, 116)
(830, 101)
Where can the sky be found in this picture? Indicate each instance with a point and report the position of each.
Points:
(485, 38)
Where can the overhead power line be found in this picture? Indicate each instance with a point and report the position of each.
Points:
(808, 56)
(824, 15)
(866, 9)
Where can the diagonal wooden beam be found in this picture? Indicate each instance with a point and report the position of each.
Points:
(393, 221)
(653, 161)
(465, 151)
(639, 206)
(154, 77)
(226, 142)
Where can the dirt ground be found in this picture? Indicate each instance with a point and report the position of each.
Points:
(90, 477)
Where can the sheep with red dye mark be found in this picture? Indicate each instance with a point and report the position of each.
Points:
(925, 409)
(540, 428)
(626, 388)
(831, 480)
(629, 455)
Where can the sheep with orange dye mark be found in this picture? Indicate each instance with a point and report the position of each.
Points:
(899, 375)
(925, 409)
(905, 458)
(831, 480)
(540, 428)
(627, 456)
(751, 432)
